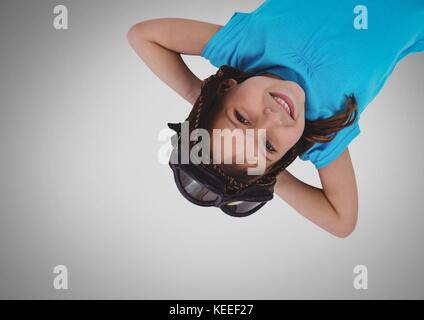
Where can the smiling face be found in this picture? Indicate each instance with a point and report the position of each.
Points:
(262, 102)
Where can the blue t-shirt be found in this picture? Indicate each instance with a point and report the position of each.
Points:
(316, 44)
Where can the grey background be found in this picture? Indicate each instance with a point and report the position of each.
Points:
(81, 185)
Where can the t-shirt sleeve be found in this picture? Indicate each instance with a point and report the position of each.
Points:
(322, 154)
(417, 47)
(224, 46)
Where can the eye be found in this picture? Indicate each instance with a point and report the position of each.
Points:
(269, 147)
(240, 118)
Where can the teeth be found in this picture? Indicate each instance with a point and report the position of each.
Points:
(283, 103)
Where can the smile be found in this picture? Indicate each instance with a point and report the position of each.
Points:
(284, 102)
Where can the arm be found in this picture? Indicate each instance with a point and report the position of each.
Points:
(160, 43)
(334, 207)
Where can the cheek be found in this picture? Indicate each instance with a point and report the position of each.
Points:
(297, 89)
(288, 138)
(298, 132)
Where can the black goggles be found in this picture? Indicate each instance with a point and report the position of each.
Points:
(205, 185)
(207, 194)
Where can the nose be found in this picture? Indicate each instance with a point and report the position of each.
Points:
(271, 117)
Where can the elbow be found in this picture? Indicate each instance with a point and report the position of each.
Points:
(135, 32)
(142, 30)
(343, 234)
(345, 229)
(132, 33)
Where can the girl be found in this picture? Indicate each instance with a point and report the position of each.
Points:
(302, 70)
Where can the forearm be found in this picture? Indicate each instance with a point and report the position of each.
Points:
(313, 204)
(166, 64)
(160, 43)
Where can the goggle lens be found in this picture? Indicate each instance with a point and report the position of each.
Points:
(201, 194)
(241, 207)
(195, 189)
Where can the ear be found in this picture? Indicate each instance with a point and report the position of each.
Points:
(226, 85)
